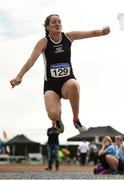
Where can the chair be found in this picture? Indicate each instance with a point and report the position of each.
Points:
(35, 158)
(4, 159)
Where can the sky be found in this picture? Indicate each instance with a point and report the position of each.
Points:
(97, 62)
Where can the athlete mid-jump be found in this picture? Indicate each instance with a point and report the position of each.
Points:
(59, 80)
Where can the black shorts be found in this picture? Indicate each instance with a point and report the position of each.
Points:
(56, 85)
(121, 165)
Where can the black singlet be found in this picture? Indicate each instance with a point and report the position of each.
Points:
(57, 58)
(57, 62)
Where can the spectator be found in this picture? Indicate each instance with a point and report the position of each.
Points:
(116, 162)
(93, 152)
(53, 146)
(61, 155)
(83, 150)
(107, 148)
(66, 153)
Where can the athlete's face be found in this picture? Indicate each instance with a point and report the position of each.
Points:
(54, 24)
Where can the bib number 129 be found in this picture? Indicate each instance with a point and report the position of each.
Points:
(60, 70)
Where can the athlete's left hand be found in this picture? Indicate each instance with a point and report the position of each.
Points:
(106, 30)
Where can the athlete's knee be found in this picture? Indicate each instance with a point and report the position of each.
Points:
(74, 87)
(54, 114)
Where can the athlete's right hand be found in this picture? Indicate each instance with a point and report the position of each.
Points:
(16, 81)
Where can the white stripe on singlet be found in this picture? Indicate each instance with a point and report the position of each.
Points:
(45, 63)
(45, 67)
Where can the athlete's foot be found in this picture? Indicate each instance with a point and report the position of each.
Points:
(79, 126)
(60, 126)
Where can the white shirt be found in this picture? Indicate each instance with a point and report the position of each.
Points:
(83, 148)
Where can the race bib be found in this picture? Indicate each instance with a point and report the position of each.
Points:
(60, 70)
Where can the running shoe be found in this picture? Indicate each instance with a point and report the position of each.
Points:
(79, 126)
(60, 126)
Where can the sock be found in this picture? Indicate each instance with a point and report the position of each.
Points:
(75, 119)
(58, 124)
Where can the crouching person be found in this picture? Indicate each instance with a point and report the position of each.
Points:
(108, 148)
(116, 163)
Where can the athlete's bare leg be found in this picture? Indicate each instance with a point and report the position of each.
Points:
(71, 91)
(53, 105)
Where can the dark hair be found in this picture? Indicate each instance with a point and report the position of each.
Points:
(47, 20)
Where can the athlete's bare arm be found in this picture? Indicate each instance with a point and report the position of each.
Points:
(38, 49)
(75, 35)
